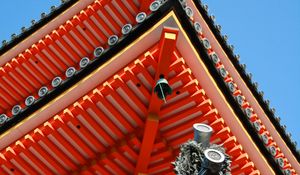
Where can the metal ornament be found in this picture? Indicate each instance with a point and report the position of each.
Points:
(16, 110)
(231, 87)
(273, 150)
(98, 51)
(56, 82)
(196, 159)
(112, 40)
(140, 17)
(206, 43)
(257, 126)
(154, 6)
(43, 91)
(70, 72)
(3, 119)
(223, 72)
(198, 27)
(162, 89)
(189, 12)
(265, 138)
(126, 29)
(84, 62)
(29, 100)
(287, 172)
(183, 3)
(280, 162)
(240, 100)
(214, 159)
(202, 134)
(248, 112)
(214, 57)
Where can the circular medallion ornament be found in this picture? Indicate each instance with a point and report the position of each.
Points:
(140, 17)
(257, 126)
(214, 156)
(84, 62)
(154, 6)
(273, 151)
(240, 100)
(98, 51)
(126, 29)
(231, 87)
(265, 138)
(223, 72)
(248, 112)
(56, 82)
(3, 119)
(198, 27)
(189, 12)
(43, 91)
(70, 72)
(287, 172)
(29, 100)
(206, 43)
(112, 40)
(214, 57)
(16, 110)
(280, 162)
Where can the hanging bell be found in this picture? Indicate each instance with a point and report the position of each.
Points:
(162, 89)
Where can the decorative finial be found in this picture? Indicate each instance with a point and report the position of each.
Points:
(212, 17)
(206, 7)
(219, 27)
(43, 15)
(53, 8)
(225, 38)
(273, 110)
(33, 22)
(4, 43)
(13, 36)
(261, 93)
(23, 29)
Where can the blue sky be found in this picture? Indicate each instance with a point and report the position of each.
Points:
(264, 33)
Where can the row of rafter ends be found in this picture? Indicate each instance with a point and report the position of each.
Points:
(229, 49)
(58, 80)
(254, 120)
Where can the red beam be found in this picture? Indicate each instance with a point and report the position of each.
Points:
(145, 5)
(167, 46)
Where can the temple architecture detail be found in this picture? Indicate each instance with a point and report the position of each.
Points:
(134, 87)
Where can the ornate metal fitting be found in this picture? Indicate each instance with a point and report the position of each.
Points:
(112, 40)
(29, 100)
(140, 17)
(199, 157)
(84, 62)
(56, 82)
(16, 110)
(3, 118)
(126, 29)
(43, 91)
(154, 6)
(70, 72)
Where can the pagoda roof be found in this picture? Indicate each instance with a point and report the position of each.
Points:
(139, 29)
